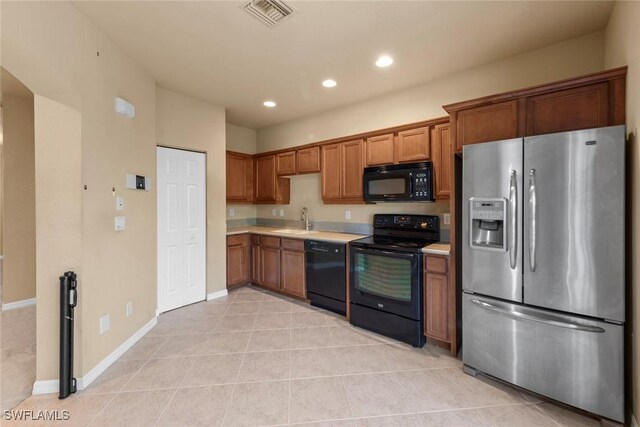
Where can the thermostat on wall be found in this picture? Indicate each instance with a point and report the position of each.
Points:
(137, 182)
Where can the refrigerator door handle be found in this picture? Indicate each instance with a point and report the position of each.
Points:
(532, 221)
(513, 220)
(537, 318)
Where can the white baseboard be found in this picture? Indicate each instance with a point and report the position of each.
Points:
(215, 295)
(634, 423)
(18, 304)
(51, 386)
(45, 387)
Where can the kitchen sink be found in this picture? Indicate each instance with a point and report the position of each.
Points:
(295, 231)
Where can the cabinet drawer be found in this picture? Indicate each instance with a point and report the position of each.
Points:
(270, 242)
(436, 264)
(239, 239)
(293, 244)
(255, 239)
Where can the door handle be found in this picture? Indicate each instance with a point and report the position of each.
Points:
(513, 220)
(532, 220)
(547, 320)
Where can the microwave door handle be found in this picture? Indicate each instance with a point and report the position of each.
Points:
(513, 220)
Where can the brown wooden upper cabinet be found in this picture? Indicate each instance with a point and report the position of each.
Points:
(590, 101)
(239, 178)
(286, 163)
(380, 150)
(441, 154)
(308, 160)
(413, 145)
(269, 187)
(410, 145)
(572, 109)
(342, 168)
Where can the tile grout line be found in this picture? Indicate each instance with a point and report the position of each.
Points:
(173, 395)
(120, 390)
(235, 382)
(342, 382)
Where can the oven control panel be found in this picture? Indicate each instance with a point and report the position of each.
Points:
(414, 222)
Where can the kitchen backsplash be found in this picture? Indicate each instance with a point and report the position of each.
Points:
(306, 192)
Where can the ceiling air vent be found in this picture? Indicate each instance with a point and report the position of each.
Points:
(269, 12)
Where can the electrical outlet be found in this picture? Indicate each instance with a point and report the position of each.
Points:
(447, 219)
(273, 212)
(129, 309)
(119, 203)
(281, 212)
(347, 214)
(232, 212)
(105, 323)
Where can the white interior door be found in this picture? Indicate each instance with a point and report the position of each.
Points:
(181, 228)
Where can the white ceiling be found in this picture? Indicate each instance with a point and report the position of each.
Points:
(217, 52)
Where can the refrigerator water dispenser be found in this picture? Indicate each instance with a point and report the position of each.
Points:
(487, 228)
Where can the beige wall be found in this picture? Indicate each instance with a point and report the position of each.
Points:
(58, 229)
(622, 48)
(53, 49)
(183, 122)
(243, 140)
(306, 192)
(567, 59)
(19, 227)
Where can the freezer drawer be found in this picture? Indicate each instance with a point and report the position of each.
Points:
(567, 358)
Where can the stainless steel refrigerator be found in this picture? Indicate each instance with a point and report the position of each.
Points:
(543, 265)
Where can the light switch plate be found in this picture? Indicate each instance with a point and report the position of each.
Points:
(120, 223)
(232, 212)
(281, 212)
(347, 214)
(273, 212)
(447, 219)
(119, 203)
(129, 309)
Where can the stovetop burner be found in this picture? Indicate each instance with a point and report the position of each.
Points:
(406, 233)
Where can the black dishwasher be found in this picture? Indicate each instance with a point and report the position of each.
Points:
(326, 275)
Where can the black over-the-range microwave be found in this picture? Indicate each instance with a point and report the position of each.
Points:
(409, 182)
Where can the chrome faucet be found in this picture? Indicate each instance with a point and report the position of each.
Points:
(305, 217)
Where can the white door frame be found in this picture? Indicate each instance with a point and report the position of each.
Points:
(181, 181)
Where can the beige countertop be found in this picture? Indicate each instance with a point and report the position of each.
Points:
(437, 249)
(327, 236)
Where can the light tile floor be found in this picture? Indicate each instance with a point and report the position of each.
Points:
(17, 355)
(254, 358)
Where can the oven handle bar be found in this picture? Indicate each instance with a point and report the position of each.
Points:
(382, 251)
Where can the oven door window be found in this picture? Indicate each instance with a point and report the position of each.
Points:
(384, 276)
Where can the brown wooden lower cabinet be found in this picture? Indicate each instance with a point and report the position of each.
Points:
(270, 267)
(292, 272)
(237, 260)
(437, 298)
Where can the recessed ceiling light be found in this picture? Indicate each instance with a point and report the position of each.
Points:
(329, 83)
(269, 104)
(384, 61)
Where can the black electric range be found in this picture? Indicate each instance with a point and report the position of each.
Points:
(386, 276)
